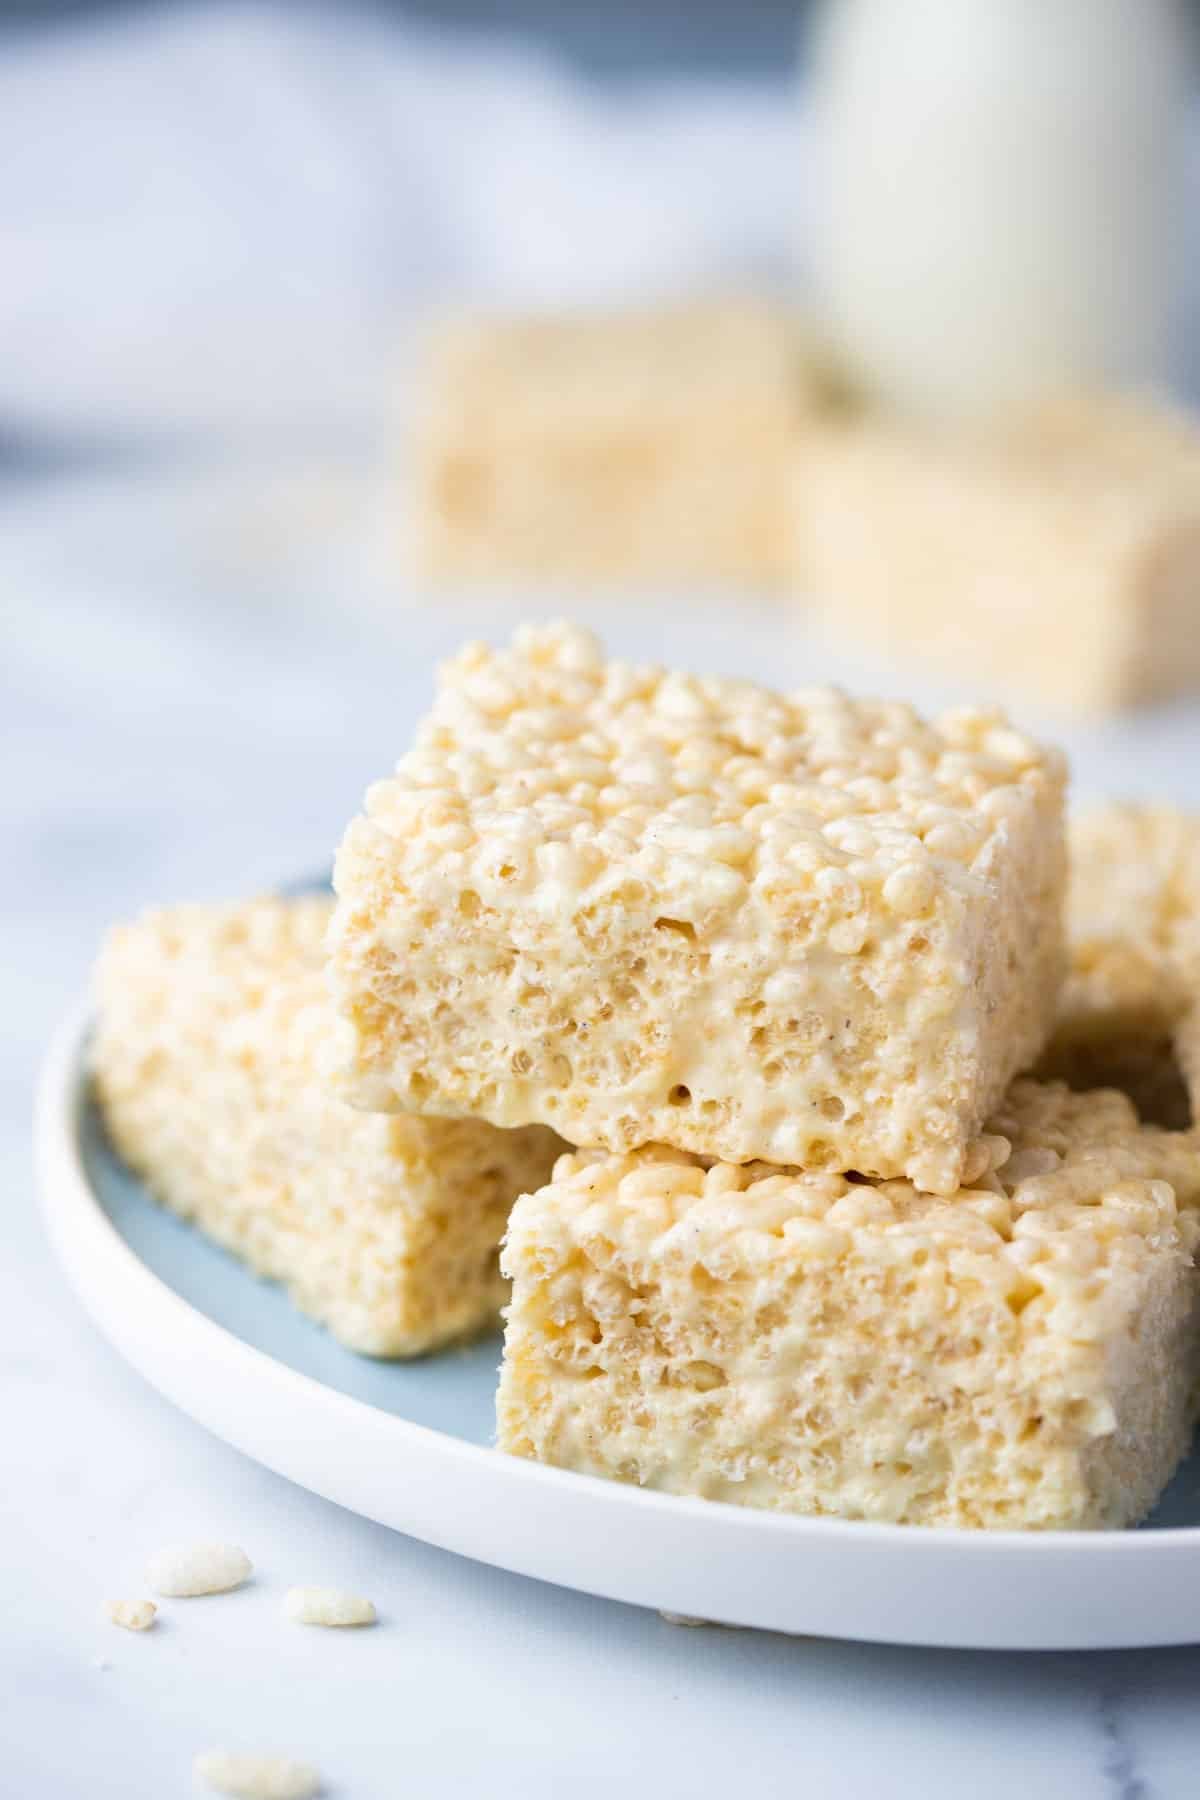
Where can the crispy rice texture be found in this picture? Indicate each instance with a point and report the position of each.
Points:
(1023, 1354)
(641, 907)
(207, 1064)
(1130, 1010)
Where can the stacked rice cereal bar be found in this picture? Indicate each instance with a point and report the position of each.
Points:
(641, 907)
(207, 1063)
(1021, 1353)
(775, 963)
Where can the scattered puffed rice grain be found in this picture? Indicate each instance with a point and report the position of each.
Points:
(132, 1615)
(327, 1606)
(256, 1777)
(670, 1618)
(200, 1569)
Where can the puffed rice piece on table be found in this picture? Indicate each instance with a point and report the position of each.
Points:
(643, 447)
(207, 1063)
(1059, 560)
(331, 1607)
(646, 907)
(1023, 1354)
(1129, 1015)
(132, 1615)
(189, 1570)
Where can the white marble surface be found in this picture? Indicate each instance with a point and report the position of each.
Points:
(199, 674)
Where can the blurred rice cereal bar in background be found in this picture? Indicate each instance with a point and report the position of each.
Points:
(1060, 559)
(1130, 1009)
(630, 448)
(206, 1063)
(649, 907)
(1023, 1354)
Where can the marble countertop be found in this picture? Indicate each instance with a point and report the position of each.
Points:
(200, 672)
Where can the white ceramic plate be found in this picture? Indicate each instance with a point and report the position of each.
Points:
(408, 1445)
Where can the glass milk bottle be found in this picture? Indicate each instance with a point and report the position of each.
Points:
(998, 194)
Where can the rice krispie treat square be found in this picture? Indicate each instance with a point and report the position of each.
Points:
(646, 447)
(1129, 1014)
(1060, 558)
(645, 907)
(1023, 1354)
(206, 1063)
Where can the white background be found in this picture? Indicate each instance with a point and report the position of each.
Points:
(204, 661)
